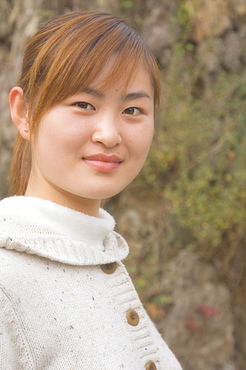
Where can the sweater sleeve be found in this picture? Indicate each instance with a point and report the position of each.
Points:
(173, 363)
(12, 343)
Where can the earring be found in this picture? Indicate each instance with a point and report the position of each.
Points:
(25, 129)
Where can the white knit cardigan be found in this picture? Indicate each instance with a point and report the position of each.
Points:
(60, 309)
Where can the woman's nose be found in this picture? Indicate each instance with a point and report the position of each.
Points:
(107, 132)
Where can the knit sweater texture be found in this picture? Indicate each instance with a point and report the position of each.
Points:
(66, 303)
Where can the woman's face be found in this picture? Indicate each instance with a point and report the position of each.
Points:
(91, 145)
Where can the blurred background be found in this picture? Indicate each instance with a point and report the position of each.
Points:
(184, 216)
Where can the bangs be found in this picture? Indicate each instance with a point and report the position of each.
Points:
(123, 64)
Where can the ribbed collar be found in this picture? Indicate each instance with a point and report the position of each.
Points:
(44, 228)
(62, 220)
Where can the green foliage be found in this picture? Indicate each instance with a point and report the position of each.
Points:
(197, 161)
(133, 10)
(127, 4)
(45, 14)
(184, 17)
(183, 13)
(163, 300)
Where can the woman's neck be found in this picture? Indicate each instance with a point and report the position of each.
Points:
(89, 207)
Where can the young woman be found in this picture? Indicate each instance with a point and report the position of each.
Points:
(84, 110)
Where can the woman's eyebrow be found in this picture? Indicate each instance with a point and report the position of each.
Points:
(127, 97)
(94, 92)
(135, 95)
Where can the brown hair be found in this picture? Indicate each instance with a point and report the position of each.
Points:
(64, 57)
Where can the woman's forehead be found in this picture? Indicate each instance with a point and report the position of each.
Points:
(115, 73)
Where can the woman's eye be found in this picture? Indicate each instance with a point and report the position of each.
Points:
(84, 105)
(133, 111)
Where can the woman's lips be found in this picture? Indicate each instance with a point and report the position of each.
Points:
(102, 162)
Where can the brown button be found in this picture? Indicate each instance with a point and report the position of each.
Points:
(151, 366)
(109, 268)
(132, 317)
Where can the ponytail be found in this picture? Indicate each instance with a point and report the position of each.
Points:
(20, 166)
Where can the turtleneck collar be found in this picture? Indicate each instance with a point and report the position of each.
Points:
(61, 220)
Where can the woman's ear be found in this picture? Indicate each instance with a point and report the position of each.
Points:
(18, 111)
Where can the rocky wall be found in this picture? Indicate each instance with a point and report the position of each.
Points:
(194, 310)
